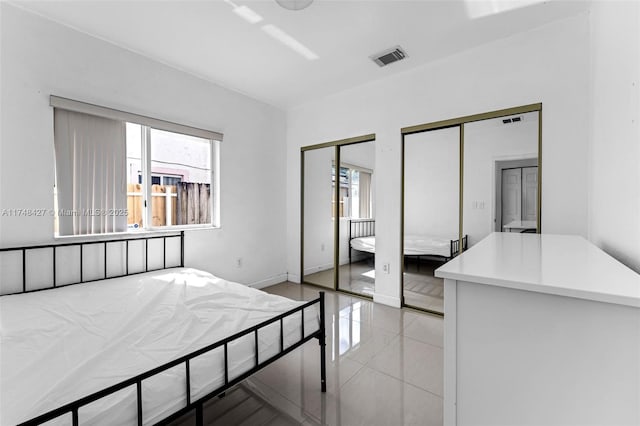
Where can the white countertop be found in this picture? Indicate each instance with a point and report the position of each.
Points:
(565, 265)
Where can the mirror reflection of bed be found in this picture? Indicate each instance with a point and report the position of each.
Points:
(500, 191)
(431, 213)
(357, 205)
(422, 255)
(351, 200)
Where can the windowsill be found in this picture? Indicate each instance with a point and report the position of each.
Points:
(151, 232)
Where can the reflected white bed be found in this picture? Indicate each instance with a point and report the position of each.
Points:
(414, 245)
(60, 345)
(362, 238)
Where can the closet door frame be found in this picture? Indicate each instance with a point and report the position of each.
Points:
(336, 212)
(460, 123)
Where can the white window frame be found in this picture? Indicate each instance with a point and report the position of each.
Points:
(147, 123)
(147, 193)
(350, 168)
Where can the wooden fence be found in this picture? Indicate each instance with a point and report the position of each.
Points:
(186, 203)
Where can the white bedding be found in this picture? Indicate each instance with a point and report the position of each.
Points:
(414, 245)
(60, 345)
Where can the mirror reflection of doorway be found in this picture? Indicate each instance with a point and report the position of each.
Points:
(500, 178)
(517, 196)
(470, 207)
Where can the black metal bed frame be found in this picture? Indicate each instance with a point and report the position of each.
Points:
(74, 406)
(454, 250)
(55, 247)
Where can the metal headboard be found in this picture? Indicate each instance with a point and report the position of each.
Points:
(126, 241)
(362, 228)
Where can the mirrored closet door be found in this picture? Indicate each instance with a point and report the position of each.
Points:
(338, 223)
(318, 224)
(431, 213)
(446, 209)
(501, 176)
(357, 222)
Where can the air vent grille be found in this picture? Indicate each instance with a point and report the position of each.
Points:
(389, 56)
(511, 120)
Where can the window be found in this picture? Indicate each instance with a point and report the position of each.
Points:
(180, 177)
(157, 179)
(119, 172)
(355, 192)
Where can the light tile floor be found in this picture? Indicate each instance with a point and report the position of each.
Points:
(421, 288)
(384, 367)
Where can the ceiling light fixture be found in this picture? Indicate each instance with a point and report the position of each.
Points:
(294, 4)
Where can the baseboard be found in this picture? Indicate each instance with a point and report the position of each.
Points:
(319, 268)
(386, 300)
(269, 281)
(294, 278)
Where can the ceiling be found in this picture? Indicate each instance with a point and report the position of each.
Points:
(209, 39)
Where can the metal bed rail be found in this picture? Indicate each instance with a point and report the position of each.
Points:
(455, 246)
(105, 243)
(74, 407)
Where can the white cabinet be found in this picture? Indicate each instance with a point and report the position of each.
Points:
(540, 330)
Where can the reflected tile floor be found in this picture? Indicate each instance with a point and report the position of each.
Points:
(421, 288)
(384, 367)
(357, 277)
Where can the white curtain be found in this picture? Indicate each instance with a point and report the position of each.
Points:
(90, 173)
(365, 195)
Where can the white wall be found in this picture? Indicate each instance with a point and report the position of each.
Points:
(549, 65)
(318, 223)
(614, 202)
(360, 154)
(40, 58)
(432, 183)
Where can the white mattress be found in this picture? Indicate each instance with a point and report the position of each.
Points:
(414, 245)
(60, 345)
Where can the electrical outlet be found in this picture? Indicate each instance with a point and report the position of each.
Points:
(239, 262)
(322, 247)
(385, 268)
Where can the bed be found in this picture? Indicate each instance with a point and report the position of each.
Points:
(143, 347)
(362, 238)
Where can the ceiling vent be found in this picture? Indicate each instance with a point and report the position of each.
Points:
(389, 56)
(511, 120)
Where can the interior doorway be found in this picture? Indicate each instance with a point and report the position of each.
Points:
(516, 195)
